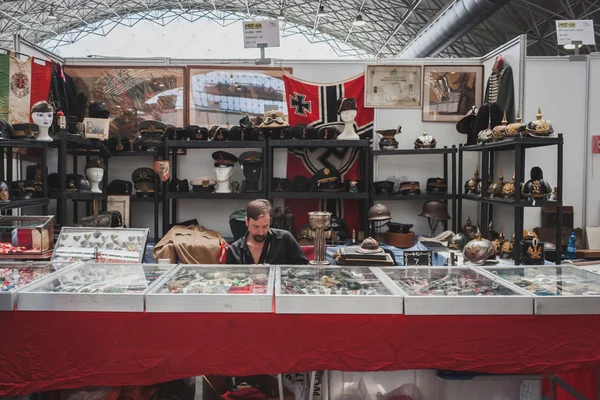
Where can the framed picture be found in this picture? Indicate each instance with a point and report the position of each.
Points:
(122, 205)
(450, 91)
(393, 86)
(96, 128)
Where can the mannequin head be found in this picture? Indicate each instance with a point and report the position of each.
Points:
(42, 114)
(348, 116)
(252, 171)
(223, 173)
(94, 174)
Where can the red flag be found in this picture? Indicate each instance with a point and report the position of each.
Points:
(41, 75)
(315, 104)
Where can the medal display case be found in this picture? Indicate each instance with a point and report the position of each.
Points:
(334, 290)
(104, 245)
(15, 276)
(556, 289)
(26, 236)
(94, 287)
(210, 288)
(457, 291)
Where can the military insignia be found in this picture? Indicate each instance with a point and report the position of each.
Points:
(4, 195)
(326, 171)
(19, 84)
(300, 106)
(535, 252)
(120, 146)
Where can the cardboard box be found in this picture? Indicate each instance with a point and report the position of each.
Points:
(213, 387)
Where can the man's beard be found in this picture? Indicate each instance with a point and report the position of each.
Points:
(259, 238)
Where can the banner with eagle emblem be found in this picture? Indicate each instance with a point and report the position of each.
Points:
(314, 104)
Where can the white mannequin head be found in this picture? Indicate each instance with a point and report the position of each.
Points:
(42, 115)
(348, 115)
(223, 173)
(95, 176)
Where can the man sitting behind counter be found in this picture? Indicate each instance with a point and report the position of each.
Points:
(262, 244)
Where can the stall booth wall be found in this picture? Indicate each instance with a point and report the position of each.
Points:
(214, 215)
(558, 87)
(593, 160)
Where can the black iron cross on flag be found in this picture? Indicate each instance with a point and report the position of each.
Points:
(301, 106)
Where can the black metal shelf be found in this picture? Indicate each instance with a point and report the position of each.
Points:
(511, 143)
(78, 196)
(510, 202)
(76, 142)
(319, 195)
(425, 196)
(291, 144)
(14, 204)
(137, 199)
(204, 144)
(221, 196)
(408, 152)
(133, 154)
(22, 143)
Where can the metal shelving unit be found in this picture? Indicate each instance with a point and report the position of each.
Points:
(445, 197)
(518, 145)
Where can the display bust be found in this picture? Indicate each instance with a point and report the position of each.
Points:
(251, 162)
(347, 111)
(224, 163)
(94, 171)
(42, 114)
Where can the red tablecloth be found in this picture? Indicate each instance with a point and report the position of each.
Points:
(49, 350)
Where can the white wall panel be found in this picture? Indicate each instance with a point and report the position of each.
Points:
(593, 174)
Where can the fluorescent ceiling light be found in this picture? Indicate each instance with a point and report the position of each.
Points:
(322, 12)
(570, 46)
(281, 17)
(359, 21)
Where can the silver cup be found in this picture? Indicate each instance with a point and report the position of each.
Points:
(319, 221)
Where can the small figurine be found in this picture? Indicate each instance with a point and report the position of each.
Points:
(288, 219)
(278, 218)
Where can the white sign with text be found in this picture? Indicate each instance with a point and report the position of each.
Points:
(579, 30)
(258, 33)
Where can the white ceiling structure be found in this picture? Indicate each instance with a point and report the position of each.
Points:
(394, 28)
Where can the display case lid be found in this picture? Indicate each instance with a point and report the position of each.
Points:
(15, 275)
(25, 221)
(119, 245)
(334, 290)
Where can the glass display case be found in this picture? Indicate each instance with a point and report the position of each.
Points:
(457, 291)
(26, 236)
(104, 245)
(14, 276)
(214, 288)
(94, 287)
(334, 290)
(556, 289)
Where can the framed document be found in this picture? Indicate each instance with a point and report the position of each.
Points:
(121, 204)
(450, 91)
(393, 86)
(96, 128)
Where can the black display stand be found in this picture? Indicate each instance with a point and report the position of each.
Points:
(6, 153)
(156, 155)
(365, 171)
(75, 145)
(450, 195)
(519, 145)
(170, 200)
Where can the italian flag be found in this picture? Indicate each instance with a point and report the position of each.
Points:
(22, 84)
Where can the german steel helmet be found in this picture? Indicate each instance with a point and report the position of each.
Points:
(458, 241)
(379, 212)
(435, 209)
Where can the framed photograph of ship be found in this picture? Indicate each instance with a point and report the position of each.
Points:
(393, 86)
(450, 91)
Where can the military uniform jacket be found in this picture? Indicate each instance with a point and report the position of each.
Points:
(501, 89)
(191, 244)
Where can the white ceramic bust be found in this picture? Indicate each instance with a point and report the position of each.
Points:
(42, 115)
(94, 170)
(224, 174)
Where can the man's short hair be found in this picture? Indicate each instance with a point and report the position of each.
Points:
(258, 208)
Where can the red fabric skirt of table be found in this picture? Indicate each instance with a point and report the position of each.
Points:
(49, 350)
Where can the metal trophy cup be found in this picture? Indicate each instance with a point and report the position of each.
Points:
(319, 221)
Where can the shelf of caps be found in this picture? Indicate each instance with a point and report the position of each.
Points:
(78, 142)
(334, 290)
(22, 143)
(94, 287)
(510, 143)
(82, 196)
(425, 196)
(318, 195)
(205, 195)
(457, 291)
(301, 144)
(14, 204)
(439, 150)
(214, 288)
(557, 290)
(205, 144)
(510, 202)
